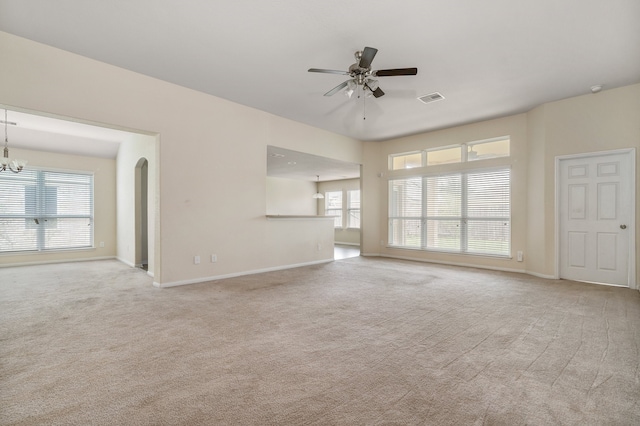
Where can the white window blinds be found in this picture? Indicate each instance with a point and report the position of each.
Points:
(333, 206)
(459, 212)
(45, 210)
(353, 209)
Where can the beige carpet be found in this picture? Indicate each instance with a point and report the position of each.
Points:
(354, 342)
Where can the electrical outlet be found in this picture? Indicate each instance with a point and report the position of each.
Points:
(101, 244)
(319, 246)
(196, 260)
(519, 256)
(214, 258)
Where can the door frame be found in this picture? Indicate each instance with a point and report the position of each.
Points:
(631, 152)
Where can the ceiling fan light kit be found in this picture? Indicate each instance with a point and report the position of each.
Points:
(361, 75)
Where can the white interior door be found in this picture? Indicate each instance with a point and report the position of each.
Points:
(595, 221)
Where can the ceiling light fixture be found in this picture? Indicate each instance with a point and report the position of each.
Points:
(596, 88)
(6, 163)
(318, 194)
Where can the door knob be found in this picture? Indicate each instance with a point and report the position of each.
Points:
(623, 226)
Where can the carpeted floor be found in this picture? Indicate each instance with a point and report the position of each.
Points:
(360, 341)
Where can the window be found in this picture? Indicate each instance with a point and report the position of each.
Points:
(349, 210)
(488, 149)
(405, 161)
(45, 210)
(458, 212)
(472, 151)
(444, 156)
(333, 206)
(353, 209)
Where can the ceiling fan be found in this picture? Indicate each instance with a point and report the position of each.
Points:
(362, 75)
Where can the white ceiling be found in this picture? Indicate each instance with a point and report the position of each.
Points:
(42, 133)
(488, 58)
(289, 164)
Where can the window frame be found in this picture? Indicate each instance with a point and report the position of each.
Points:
(406, 154)
(464, 154)
(40, 214)
(351, 209)
(422, 219)
(331, 211)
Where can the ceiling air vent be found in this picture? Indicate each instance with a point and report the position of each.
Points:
(431, 97)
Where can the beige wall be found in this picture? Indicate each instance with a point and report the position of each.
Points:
(290, 197)
(104, 184)
(211, 164)
(605, 121)
(211, 155)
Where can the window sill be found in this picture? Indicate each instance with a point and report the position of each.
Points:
(45, 252)
(458, 253)
(298, 217)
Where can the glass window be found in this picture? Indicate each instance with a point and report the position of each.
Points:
(460, 212)
(333, 206)
(353, 209)
(405, 161)
(489, 149)
(444, 156)
(45, 210)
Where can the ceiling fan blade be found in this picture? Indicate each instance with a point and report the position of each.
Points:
(337, 88)
(328, 71)
(367, 57)
(396, 71)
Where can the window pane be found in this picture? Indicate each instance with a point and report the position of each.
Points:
(443, 234)
(488, 194)
(406, 161)
(489, 237)
(333, 206)
(353, 210)
(405, 233)
(15, 235)
(405, 197)
(444, 195)
(354, 219)
(333, 200)
(444, 156)
(67, 233)
(484, 150)
(354, 199)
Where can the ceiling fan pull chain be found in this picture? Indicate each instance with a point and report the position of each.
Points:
(364, 107)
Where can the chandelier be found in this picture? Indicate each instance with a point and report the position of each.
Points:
(6, 163)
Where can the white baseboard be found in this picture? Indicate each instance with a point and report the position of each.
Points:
(535, 274)
(465, 265)
(346, 244)
(50, 262)
(238, 274)
(126, 262)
